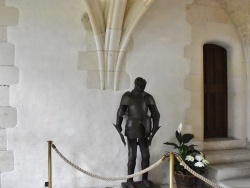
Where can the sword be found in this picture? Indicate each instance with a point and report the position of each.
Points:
(152, 135)
(121, 135)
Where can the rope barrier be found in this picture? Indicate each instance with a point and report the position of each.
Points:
(195, 173)
(111, 178)
(138, 173)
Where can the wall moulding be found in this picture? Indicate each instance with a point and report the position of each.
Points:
(109, 26)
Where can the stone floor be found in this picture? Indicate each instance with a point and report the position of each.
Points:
(236, 183)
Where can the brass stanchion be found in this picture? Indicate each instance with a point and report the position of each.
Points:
(171, 171)
(50, 164)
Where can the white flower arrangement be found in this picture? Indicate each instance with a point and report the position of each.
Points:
(199, 164)
(199, 157)
(189, 158)
(179, 128)
(192, 157)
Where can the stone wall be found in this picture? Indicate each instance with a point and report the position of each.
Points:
(212, 24)
(55, 102)
(9, 75)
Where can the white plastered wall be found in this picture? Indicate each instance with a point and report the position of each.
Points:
(54, 103)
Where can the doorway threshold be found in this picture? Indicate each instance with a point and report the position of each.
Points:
(220, 144)
(219, 139)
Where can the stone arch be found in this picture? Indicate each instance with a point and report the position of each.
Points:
(109, 25)
(227, 37)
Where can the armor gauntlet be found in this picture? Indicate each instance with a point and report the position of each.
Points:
(155, 115)
(120, 113)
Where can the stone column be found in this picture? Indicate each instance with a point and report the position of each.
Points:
(9, 74)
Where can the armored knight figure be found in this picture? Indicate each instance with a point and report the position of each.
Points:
(139, 128)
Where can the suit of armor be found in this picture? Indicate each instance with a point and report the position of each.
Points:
(139, 128)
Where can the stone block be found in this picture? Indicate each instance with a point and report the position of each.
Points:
(243, 182)
(235, 69)
(8, 15)
(93, 81)
(227, 156)
(237, 101)
(221, 144)
(236, 84)
(130, 45)
(86, 22)
(8, 117)
(220, 16)
(3, 139)
(4, 96)
(3, 33)
(196, 65)
(111, 60)
(87, 61)
(194, 82)
(196, 123)
(7, 54)
(2, 2)
(113, 37)
(188, 51)
(90, 41)
(9, 75)
(233, 170)
(206, 2)
(6, 161)
(123, 64)
(243, 28)
(197, 99)
(198, 14)
(123, 81)
(100, 41)
(194, 112)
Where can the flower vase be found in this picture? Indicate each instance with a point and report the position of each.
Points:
(187, 181)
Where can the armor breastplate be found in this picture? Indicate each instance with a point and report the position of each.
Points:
(138, 108)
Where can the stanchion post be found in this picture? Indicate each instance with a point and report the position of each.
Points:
(50, 164)
(171, 171)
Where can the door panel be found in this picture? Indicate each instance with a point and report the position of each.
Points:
(215, 91)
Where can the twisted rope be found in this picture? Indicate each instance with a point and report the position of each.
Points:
(195, 173)
(138, 173)
(111, 178)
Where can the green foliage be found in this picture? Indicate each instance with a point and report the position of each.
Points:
(192, 157)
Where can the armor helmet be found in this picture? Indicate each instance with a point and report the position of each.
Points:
(140, 84)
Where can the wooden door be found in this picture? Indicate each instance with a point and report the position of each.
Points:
(215, 91)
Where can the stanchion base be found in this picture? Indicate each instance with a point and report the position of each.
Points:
(140, 184)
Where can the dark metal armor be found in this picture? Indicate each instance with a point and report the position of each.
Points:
(139, 128)
(138, 124)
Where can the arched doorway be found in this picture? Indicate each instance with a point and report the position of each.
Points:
(215, 91)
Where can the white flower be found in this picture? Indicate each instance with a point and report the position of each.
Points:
(199, 164)
(179, 128)
(199, 157)
(204, 161)
(189, 158)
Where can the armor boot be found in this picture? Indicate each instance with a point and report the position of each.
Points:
(131, 169)
(145, 164)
